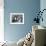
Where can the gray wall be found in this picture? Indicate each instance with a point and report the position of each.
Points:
(29, 8)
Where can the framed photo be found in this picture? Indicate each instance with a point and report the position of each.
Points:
(16, 18)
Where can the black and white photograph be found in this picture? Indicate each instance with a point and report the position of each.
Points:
(16, 18)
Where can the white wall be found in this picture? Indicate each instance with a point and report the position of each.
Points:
(43, 6)
(1, 21)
